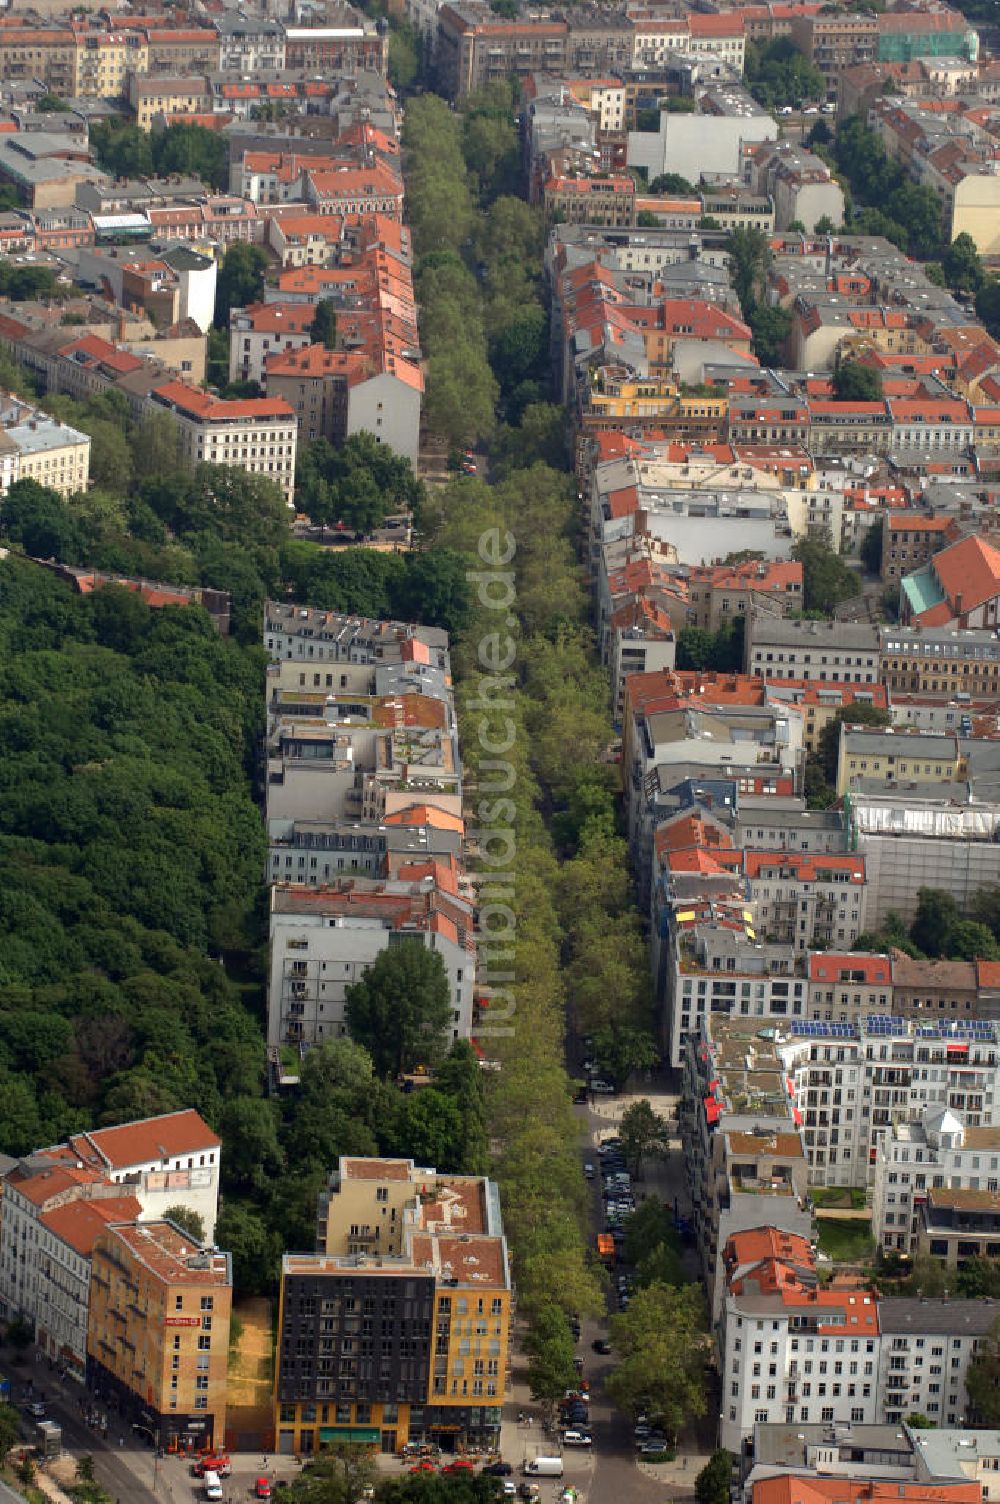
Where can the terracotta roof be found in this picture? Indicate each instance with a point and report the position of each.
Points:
(78, 1222)
(39, 1186)
(797, 1489)
(827, 966)
(803, 866)
(198, 404)
(969, 569)
(166, 1137)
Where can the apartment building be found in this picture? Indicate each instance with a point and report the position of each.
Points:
(870, 754)
(56, 1200)
(926, 1349)
(336, 393)
(910, 540)
(819, 703)
(324, 938)
(797, 1354)
(34, 446)
(304, 634)
(151, 96)
(844, 986)
(790, 1350)
(158, 1334)
(831, 652)
(60, 1297)
(32, 1281)
(798, 183)
(255, 434)
(249, 45)
(804, 900)
(745, 1155)
(359, 46)
(598, 200)
(941, 989)
(940, 661)
(397, 1329)
(48, 54)
(170, 1160)
(836, 40)
(937, 1153)
(262, 330)
(958, 1224)
(476, 47)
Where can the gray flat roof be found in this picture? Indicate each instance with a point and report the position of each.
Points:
(958, 1318)
(766, 630)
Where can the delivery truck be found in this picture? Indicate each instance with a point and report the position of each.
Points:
(543, 1467)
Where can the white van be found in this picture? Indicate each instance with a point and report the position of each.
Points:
(543, 1467)
(577, 1439)
(213, 1486)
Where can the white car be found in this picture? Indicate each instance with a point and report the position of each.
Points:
(602, 1088)
(577, 1439)
(509, 1489)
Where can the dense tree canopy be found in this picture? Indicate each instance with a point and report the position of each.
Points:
(779, 74)
(893, 205)
(400, 1010)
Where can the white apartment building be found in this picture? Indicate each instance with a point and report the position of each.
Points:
(35, 446)
(800, 1355)
(59, 1292)
(804, 900)
(257, 434)
(323, 939)
(166, 1161)
(937, 1153)
(925, 1350)
(264, 329)
(308, 635)
(249, 45)
(797, 1355)
(832, 652)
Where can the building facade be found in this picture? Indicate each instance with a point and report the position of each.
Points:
(158, 1337)
(398, 1330)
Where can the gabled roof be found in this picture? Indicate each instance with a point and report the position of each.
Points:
(79, 1222)
(968, 571)
(166, 1137)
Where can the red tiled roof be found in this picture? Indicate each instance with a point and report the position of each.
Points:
(166, 1137)
(826, 966)
(199, 404)
(79, 1222)
(969, 569)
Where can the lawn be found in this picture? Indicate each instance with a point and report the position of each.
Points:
(847, 1242)
(847, 1198)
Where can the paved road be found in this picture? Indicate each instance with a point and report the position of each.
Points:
(132, 1474)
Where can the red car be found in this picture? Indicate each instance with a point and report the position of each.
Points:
(262, 1488)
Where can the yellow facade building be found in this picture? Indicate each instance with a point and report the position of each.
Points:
(158, 1332)
(397, 1329)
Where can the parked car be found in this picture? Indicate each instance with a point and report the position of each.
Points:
(577, 1439)
(609, 1146)
(602, 1088)
(262, 1489)
(498, 1469)
(601, 1345)
(509, 1488)
(588, 1171)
